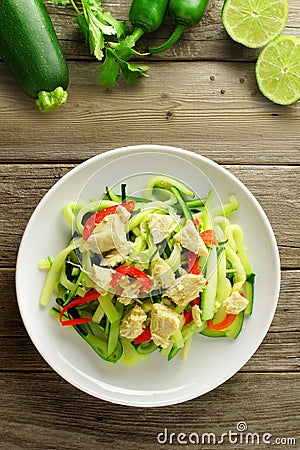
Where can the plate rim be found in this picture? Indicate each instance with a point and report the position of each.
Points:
(190, 155)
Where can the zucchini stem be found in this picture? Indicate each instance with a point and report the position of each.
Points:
(48, 101)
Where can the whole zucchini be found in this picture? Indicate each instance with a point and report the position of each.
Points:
(30, 48)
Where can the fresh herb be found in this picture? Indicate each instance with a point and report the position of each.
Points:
(116, 63)
(108, 38)
(96, 24)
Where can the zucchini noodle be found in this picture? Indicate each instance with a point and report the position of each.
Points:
(162, 270)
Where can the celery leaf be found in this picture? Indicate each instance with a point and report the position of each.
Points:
(109, 71)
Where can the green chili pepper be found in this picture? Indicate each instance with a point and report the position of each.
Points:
(185, 13)
(147, 15)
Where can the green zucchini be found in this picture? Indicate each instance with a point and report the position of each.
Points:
(248, 291)
(232, 331)
(30, 49)
(213, 333)
(209, 293)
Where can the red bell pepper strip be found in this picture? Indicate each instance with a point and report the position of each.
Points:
(188, 315)
(229, 319)
(77, 321)
(96, 218)
(209, 237)
(193, 263)
(115, 277)
(145, 336)
(134, 272)
(89, 297)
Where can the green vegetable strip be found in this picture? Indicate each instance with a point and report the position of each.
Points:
(178, 339)
(112, 196)
(227, 208)
(97, 344)
(248, 291)
(220, 223)
(44, 264)
(69, 212)
(98, 314)
(195, 204)
(167, 183)
(142, 216)
(190, 329)
(140, 244)
(146, 348)
(185, 209)
(186, 349)
(239, 276)
(109, 309)
(68, 284)
(53, 273)
(55, 313)
(76, 290)
(114, 330)
(207, 213)
(130, 356)
(97, 331)
(236, 241)
(173, 352)
(223, 285)
(174, 260)
(166, 351)
(208, 295)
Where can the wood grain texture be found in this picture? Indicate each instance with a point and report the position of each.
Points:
(72, 419)
(206, 41)
(202, 96)
(279, 351)
(24, 185)
(225, 119)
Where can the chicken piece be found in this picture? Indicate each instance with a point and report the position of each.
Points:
(236, 303)
(125, 300)
(132, 324)
(196, 313)
(102, 278)
(110, 234)
(131, 287)
(190, 239)
(164, 273)
(160, 226)
(113, 259)
(186, 288)
(164, 324)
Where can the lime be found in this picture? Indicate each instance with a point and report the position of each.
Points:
(254, 23)
(278, 70)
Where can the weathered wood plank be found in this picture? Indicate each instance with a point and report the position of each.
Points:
(49, 413)
(278, 352)
(25, 185)
(206, 41)
(197, 114)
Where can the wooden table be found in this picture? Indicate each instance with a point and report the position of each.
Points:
(201, 95)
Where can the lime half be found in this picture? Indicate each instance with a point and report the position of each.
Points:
(254, 23)
(278, 70)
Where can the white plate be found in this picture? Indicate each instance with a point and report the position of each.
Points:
(154, 382)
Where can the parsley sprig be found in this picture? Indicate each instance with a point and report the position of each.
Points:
(116, 62)
(99, 29)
